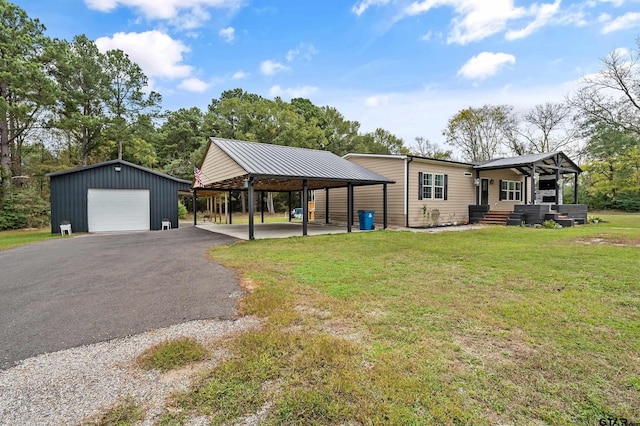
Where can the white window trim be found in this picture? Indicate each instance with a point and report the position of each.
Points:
(433, 186)
(515, 192)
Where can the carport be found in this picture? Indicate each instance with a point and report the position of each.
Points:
(232, 165)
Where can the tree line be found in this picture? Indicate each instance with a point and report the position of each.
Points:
(65, 104)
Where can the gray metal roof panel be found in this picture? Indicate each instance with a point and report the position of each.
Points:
(260, 159)
(524, 160)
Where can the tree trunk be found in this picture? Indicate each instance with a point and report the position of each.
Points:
(243, 202)
(5, 148)
(270, 207)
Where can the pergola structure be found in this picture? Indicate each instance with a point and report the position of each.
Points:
(554, 163)
(232, 165)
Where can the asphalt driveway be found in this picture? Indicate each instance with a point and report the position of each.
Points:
(64, 293)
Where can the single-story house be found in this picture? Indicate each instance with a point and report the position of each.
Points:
(429, 191)
(114, 196)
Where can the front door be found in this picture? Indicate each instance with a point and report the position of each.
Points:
(484, 191)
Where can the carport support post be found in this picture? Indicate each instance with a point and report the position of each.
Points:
(384, 206)
(250, 206)
(229, 209)
(289, 212)
(262, 206)
(326, 206)
(575, 188)
(195, 214)
(305, 206)
(349, 207)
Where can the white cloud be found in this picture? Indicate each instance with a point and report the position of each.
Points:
(184, 14)
(376, 101)
(194, 85)
(270, 67)
(615, 3)
(304, 50)
(239, 75)
(427, 36)
(293, 92)
(157, 53)
(361, 7)
(476, 20)
(485, 65)
(543, 14)
(628, 20)
(228, 34)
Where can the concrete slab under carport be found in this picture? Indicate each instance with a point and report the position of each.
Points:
(274, 229)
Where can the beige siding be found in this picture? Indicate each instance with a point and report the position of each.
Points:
(369, 197)
(494, 189)
(460, 193)
(218, 166)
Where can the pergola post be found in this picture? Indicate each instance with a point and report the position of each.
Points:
(575, 188)
(533, 184)
(251, 201)
(384, 206)
(349, 206)
(326, 206)
(558, 179)
(195, 214)
(305, 207)
(477, 188)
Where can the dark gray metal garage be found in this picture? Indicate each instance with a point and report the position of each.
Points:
(114, 196)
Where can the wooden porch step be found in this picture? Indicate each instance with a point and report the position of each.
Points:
(496, 217)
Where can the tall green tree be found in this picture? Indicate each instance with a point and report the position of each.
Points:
(612, 169)
(342, 135)
(83, 82)
(380, 141)
(180, 141)
(25, 86)
(126, 100)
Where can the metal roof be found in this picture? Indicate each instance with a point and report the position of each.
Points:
(113, 162)
(285, 162)
(547, 159)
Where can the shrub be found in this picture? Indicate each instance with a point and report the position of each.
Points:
(549, 224)
(23, 208)
(182, 211)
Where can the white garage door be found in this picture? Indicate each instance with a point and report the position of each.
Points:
(118, 209)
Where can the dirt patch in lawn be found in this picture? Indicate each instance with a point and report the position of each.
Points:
(608, 239)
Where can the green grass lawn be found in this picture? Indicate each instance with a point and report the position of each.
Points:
(10, 239)
(502, 325)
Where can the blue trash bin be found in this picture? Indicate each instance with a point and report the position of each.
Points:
(365, 218)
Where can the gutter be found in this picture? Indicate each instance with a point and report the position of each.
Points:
(406, 192)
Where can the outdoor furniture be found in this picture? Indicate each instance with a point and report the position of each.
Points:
(65, 227)
(166, 224)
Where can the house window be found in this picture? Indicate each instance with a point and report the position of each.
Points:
(433, 186)
(510, 190)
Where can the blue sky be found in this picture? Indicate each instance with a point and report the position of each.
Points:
(406, 66)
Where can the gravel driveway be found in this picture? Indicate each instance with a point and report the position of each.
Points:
(69, 292)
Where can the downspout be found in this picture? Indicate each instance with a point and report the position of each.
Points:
(406, 195)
